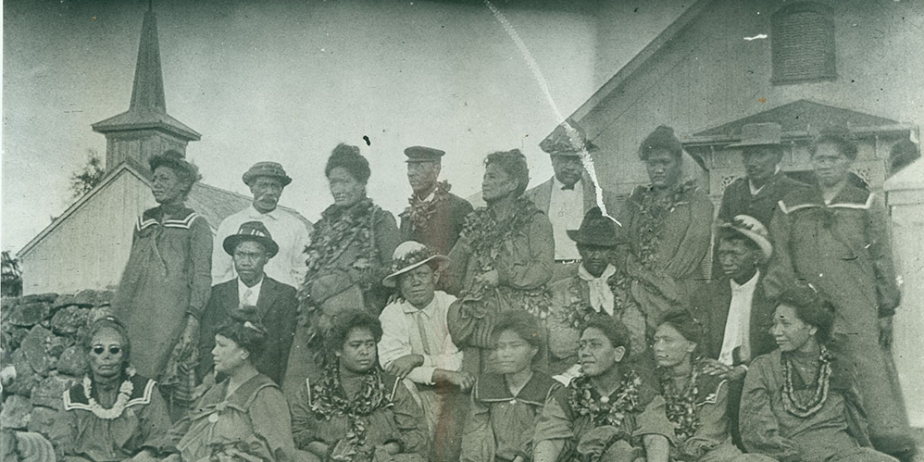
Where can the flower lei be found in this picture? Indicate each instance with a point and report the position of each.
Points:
(795, 406)
(420, 211)
(652, 211)
(487, 238)
(579, 311)
(600, 410)
(681, 404)
(125, 392)
(329, 399)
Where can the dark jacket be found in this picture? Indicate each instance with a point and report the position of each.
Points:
(710, 305)
(443, 227)
(276, 310)
(737, 198)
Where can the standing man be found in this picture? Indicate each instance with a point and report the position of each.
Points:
(568, 195)
(434, 216)
(251, 296)
(266, 181)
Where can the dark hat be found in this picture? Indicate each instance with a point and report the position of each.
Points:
(595, 229)
(422, 154)
(271, 169)
(568, 139)
(766, 134)
(251, 231)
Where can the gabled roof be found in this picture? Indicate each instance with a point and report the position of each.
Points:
(215, 204)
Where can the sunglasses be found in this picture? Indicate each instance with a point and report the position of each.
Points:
(99, 349)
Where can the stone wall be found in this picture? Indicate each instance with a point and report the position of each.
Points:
(43, 337)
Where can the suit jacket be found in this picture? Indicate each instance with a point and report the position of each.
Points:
(710, 305)
(443, 227)
(737, 198)
(541, 195)
(276, 310)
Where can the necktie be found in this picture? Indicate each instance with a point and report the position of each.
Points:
(567, 188)
(601, 297)
(421, 328)
(248, 295)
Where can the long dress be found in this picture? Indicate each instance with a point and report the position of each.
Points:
(500, 426)
(837, 432)
(254, 420)
(843, 249)
(168, 274)
(663, 243)
(521, 250)
(388, 414)
(700, 418)
(349, 255)
(80, 435)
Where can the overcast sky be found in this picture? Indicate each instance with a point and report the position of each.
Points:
(288, 80)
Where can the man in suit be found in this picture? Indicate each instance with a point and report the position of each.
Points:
(434, 216)
(568, 195)
(251, 296)
(733, 308)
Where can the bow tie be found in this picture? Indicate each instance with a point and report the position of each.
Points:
(567, 188)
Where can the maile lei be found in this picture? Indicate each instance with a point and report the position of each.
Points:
(603, 410)
(420, 211)
(800, 408)
(329, 399)
(125, 393)
(487, 238)
(653, 209)
(681, 404)
(579, 311)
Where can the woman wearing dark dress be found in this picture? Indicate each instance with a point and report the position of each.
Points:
(166, 282)
(801, 402)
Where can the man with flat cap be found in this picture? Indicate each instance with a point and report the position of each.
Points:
(434, 216)
(251, 296)
(266, 181)
(569, 194)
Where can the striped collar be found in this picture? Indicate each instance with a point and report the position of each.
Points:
(492, 388)
(810, 198)
(152, 217)
(75, 398)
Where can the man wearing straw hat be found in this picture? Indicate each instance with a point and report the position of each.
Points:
(416, 343)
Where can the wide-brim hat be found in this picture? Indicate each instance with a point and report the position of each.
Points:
(568, 139)
(595, 229)
(251, 231)
(270, 169)
(764, 134)
(752, 229)
(417, 154)
(410, 255)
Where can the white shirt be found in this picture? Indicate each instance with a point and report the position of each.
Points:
(738, 324)
(401, 336)
(566, 210)
(289, 233)
(248, 296)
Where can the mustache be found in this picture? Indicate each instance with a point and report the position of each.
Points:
(270, 196)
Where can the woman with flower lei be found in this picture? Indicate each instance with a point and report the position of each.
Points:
(800, 404)
(113, 413)
(696, 402)
(356, 412)
(666, 231)
(503, 259)
(610, 413)
(349, 255)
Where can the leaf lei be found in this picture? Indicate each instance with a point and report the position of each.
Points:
(487, 238)
(420, 211)
(600, 410)
(680, 406)
(579, 311)
(652, 212)
(125, 392)
(329, 399)
(797, 407)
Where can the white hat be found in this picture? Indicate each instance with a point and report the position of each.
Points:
(410, 255)
(752, 229)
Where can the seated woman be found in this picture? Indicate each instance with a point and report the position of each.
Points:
(356, 412)
(243, 417)
(506, 405)
(610, 413)
(114, 414)
(800, 404)
(696, 401)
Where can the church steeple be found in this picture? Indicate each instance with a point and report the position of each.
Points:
(145, 129)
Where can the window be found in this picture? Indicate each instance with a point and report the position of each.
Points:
(802, 43)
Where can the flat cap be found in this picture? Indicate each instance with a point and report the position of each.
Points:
(423, 154)
(271, 169)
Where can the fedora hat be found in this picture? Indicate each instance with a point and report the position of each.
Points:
(251, 231)
(765, 134)
(565, 142)
(752, 229)
(595, 229)
(270, 169)
(410, 255)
